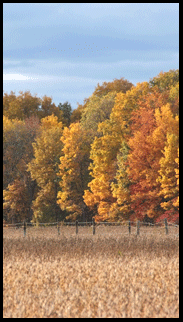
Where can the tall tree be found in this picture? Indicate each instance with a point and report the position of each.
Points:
(44, 167)
(104, 151)
(47, 107)
(146, 146)
(66, 112)
(17, 152)
(73, 171)
(118, 85)
(176, 202)
(16, 200)
(165, 80)
(21, 106)
(121, 185)
(97, 110)
(168, 173)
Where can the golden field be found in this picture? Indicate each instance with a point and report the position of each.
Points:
(111, 274)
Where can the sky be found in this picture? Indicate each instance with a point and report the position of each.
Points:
(64, 50)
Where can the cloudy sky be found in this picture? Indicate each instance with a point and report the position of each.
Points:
(63, 50)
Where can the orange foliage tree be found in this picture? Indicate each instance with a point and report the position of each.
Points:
(102, 193)
(151, 125)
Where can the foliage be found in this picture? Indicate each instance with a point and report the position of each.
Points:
(44, 167)
(169, 173)
(97, 110)
(118, 85)
(66, 112)
(164, 81)
(73, 171)
(104, 153)
(21, 106)
(26, 105)
(146, 146)
(16, 198)
(121, 185)
(17, 153)
(115, 157)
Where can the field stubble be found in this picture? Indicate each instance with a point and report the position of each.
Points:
(111, 274)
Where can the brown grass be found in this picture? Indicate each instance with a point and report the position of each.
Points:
(109, 275)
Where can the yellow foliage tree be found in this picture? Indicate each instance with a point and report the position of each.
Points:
(21, 106)
(104, 150)
(176, 202)
(44, 167)
(168, 173)
(73, 171)
(120, 186)
(16, 198)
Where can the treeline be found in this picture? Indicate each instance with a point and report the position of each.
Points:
(115, 157)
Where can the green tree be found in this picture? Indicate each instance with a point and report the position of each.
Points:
(47, 107)
(66, 112)
(97, 110)
(165, 80)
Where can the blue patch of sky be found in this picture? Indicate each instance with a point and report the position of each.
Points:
(64, 50)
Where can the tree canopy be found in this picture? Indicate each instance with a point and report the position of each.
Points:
(114, 157)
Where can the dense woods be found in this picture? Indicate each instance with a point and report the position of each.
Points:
(116, 157)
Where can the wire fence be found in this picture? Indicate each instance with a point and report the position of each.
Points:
(91, 228)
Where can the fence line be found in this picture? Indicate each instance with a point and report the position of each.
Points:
(64, 223)
(94, 224)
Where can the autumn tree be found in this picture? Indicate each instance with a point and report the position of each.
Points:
(47, 107)
(22, 106)
(168, 173)
(26, 105)
(176, 202)
(16, 200)
(97, 110)
(44, 167)
(73, 172)
(77, 113)
(7, 100)
(120, 186)
(165, 80)
(117, 85)
(151, 127)
(168, 84)
(104, 151)
(17, 152)
(117, 157)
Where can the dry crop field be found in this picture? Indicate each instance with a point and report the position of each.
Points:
(111, 274)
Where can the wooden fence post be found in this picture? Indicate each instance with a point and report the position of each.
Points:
(24, 228)
(93, 222)
(58, 227)
(76, 227)
(129, 226)
(138, 227)
(166, 226)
